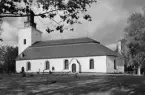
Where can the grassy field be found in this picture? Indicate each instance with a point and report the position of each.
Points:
(57, 84)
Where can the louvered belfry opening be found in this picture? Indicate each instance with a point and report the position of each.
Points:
(30, 20)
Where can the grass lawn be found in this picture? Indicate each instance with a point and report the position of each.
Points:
(72, 85)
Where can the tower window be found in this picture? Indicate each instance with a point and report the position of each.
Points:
(24, 41)
(22, 55)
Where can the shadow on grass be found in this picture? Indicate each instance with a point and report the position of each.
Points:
(68, 84)
(108, 85)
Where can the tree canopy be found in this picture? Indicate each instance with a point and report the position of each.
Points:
(69, 11)
(8, 55)
(135, 40)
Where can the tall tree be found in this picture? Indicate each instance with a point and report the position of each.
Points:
(7, 58)
(68, 11)
(135, 40)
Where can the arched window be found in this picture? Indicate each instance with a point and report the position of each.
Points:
(91, 63)
(66, 63)
(28, 66)
(47, 65)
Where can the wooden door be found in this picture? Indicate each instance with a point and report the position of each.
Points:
(73, 68)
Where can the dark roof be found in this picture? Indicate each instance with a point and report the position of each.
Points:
(81, 47)
(63, 42)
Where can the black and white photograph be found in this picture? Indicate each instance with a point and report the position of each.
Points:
(72, 47)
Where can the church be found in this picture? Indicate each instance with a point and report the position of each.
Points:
(67, 55)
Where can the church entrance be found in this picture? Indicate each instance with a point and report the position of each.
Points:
(73, 68)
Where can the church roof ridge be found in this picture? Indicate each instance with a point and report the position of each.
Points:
(64, 42)
(69, 39)
(31, 47)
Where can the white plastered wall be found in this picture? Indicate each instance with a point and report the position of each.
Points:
(120, 64)
(30, 34)
(110, 64)
(36, 35)
(58, 64)
(24, 33)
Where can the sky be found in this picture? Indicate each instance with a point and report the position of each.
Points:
(109, 18)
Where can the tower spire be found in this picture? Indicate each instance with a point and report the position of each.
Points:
(30, 20)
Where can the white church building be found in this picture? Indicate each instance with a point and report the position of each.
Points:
(67, 55)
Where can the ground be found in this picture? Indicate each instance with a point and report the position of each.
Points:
(70, 84)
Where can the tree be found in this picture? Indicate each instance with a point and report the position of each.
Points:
(7, 58)
(139, 61)
(69, 11)
(135, 40)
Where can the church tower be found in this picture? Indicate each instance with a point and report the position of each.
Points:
(28, 34)
(121, 46)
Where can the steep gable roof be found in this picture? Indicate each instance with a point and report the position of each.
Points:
(81, 47)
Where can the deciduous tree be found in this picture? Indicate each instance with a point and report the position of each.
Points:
(135, 40)
(7, 58)
(68, 11)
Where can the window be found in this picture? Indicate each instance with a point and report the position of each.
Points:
(24, 41)
(22, 55)
(115, 64)
(91, 63)
(66, 64)
(28, 66)
(47, 65)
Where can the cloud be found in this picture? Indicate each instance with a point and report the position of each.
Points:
(110, 33)
(112, 46)
(109, 19)
(103, 14)
(9, 34)
(132, 5)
